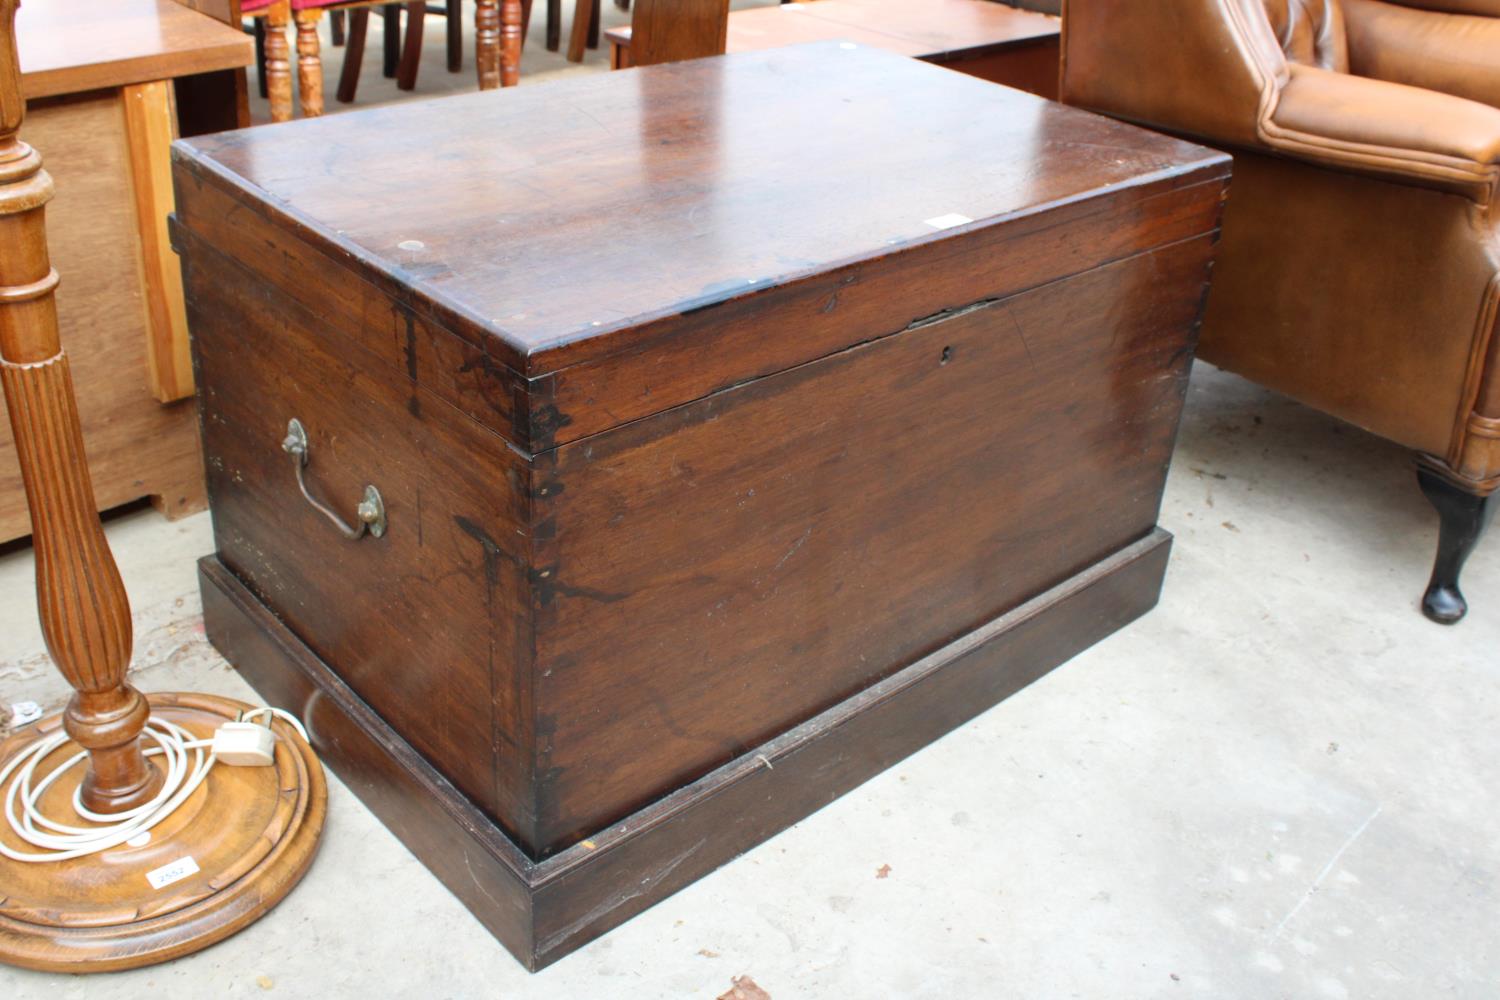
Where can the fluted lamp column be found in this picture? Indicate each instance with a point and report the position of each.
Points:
(237, 843)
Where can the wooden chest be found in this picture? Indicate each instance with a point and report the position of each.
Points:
(740, 426)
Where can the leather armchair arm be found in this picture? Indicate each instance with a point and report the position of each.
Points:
(1482, 8)
(1387, 130)
(1447, 52)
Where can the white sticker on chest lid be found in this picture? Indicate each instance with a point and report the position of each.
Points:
(947, 221)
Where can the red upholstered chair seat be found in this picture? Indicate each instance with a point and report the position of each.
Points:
(252, 7)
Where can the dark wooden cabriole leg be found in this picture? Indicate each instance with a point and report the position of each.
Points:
(1464, 516)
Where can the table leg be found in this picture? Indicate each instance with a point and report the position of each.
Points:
(149, 132)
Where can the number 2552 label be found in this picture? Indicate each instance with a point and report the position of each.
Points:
(178, 870)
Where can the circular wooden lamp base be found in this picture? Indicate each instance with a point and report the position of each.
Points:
(250, 833)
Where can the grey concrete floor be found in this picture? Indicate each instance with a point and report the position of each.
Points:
(1279, 784)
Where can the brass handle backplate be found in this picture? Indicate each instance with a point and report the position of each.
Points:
(370, 513)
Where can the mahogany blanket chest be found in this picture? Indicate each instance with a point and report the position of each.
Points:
(615, 471)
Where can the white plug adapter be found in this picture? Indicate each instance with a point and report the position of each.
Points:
(244, 744)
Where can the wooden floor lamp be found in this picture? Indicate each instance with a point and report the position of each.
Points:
(243, 837)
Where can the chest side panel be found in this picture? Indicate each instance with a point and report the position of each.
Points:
(392, 326)
(718, 572)
(428, 623)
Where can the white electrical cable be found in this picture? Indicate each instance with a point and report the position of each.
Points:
(65, 842)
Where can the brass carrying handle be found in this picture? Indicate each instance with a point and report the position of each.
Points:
(371, 510)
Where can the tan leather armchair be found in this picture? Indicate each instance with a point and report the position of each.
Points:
(1359, 270)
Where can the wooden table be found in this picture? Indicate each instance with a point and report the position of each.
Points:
(989, 40)
(109, 84)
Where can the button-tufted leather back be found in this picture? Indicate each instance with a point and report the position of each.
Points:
(1311, 32)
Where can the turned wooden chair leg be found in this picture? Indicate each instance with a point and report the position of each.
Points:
(554, 25)
(260, 56)
(510, 42)
(390, 20)
(309, 63)
(278, 61)
(411, 48)
(487, 43)
(354, 54)
(1463, 516)
(455, 31)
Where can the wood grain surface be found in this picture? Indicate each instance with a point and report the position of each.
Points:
(69, 46)
(150, 127)
(444, 587)
(252, 833)
(669, 30)
(762, 553)
(542, 910)
(704, 526)
(704, 165)
(935, 30)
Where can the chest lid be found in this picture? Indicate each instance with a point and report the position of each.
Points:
(595, 217)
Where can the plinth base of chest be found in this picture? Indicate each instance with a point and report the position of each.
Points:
(542, 910)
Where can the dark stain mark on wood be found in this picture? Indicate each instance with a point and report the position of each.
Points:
(414, 401)
(492, 552)
(548, 587)
(545, 422)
